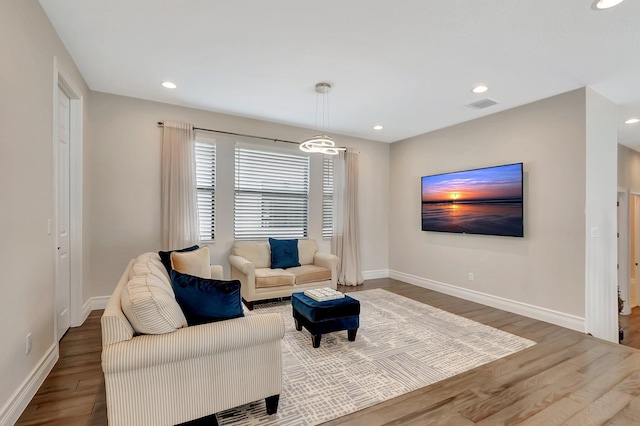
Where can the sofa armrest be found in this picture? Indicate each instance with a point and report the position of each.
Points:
(217, 273)
(241, 264)
(192, 342)
(327, 260)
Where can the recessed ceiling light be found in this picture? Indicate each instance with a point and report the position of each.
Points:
(378, 127)
(605, 4)
(169, 85)
(632, 121)
(480, 89)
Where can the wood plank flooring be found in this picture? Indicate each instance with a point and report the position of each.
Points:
(566, 378)
(73, 393)
(631, 327)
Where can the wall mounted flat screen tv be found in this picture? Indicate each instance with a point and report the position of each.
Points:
(484, 201)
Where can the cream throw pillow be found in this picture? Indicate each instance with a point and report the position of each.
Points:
(194, 262)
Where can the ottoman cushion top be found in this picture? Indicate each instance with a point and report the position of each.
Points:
(320, 311)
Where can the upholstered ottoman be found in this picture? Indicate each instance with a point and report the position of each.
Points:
(325, 317)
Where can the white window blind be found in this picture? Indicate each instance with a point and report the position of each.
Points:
(271, 194)
(206, 186)
(327, 197)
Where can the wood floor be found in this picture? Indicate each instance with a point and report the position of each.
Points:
(566, 378)
(73, 394)
(631, 328)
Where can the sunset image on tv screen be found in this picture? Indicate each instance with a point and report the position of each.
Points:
(480, 201)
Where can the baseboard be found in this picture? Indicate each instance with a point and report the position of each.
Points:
(372, 275)
(93, 304)
(86, 310)
(99, 302)
(21, 397)
(543, 314)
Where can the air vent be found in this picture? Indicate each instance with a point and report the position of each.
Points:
(483, 103)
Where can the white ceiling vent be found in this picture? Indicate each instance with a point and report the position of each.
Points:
(483, 103)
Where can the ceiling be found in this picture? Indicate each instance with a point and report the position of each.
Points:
(407, 65)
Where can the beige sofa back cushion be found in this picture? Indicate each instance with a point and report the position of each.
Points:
(147, 298)
(259, 252)
(306, 251)
(256, 252)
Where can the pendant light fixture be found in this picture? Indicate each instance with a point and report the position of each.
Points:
(322, 143)
(605, 4)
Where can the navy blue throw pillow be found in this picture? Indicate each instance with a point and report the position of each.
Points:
(284, 253)
(165, 256)
(205, 300)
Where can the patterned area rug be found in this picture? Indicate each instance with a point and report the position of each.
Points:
(402, 345)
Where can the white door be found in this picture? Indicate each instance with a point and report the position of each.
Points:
(63, 278)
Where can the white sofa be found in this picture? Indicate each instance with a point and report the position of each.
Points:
(187, 373)
(251, 264)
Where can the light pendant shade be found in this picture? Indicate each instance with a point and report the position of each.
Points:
(321, 144)
(605, 4)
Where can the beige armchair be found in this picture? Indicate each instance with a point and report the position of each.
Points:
(251, 264)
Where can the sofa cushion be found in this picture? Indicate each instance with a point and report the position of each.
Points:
(284, 253)
(306, 251)
(257, 253)
(267, 277)
(165, 256)
(310, 274)
(195, 262)
(150, 263)
(205, 300)
(150, 306)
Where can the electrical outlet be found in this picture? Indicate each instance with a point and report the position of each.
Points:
(470, 276)
(28, 347)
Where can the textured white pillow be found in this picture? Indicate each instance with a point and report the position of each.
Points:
(150, 306)
(149, 263)
(196, 262)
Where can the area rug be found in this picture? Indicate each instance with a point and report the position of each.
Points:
(402, 345)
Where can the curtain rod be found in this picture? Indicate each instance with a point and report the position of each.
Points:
(161, 124)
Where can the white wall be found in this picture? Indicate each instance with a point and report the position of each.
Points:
(601, 244)
(628, 169)
(124, 171)
(28, 44)
(545, 270)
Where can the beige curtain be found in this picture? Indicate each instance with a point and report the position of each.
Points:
(179, 198)
(345, 241)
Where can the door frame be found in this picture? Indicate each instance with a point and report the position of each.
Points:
(61, 79)
(624, 249)
(632, 238)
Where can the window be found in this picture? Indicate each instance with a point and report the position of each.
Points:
(206, 187)
(327, 197)
(271, 194)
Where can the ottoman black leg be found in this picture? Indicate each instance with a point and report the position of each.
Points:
(351, 334)
(272, 404)
(298, 325)
(316, 340)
